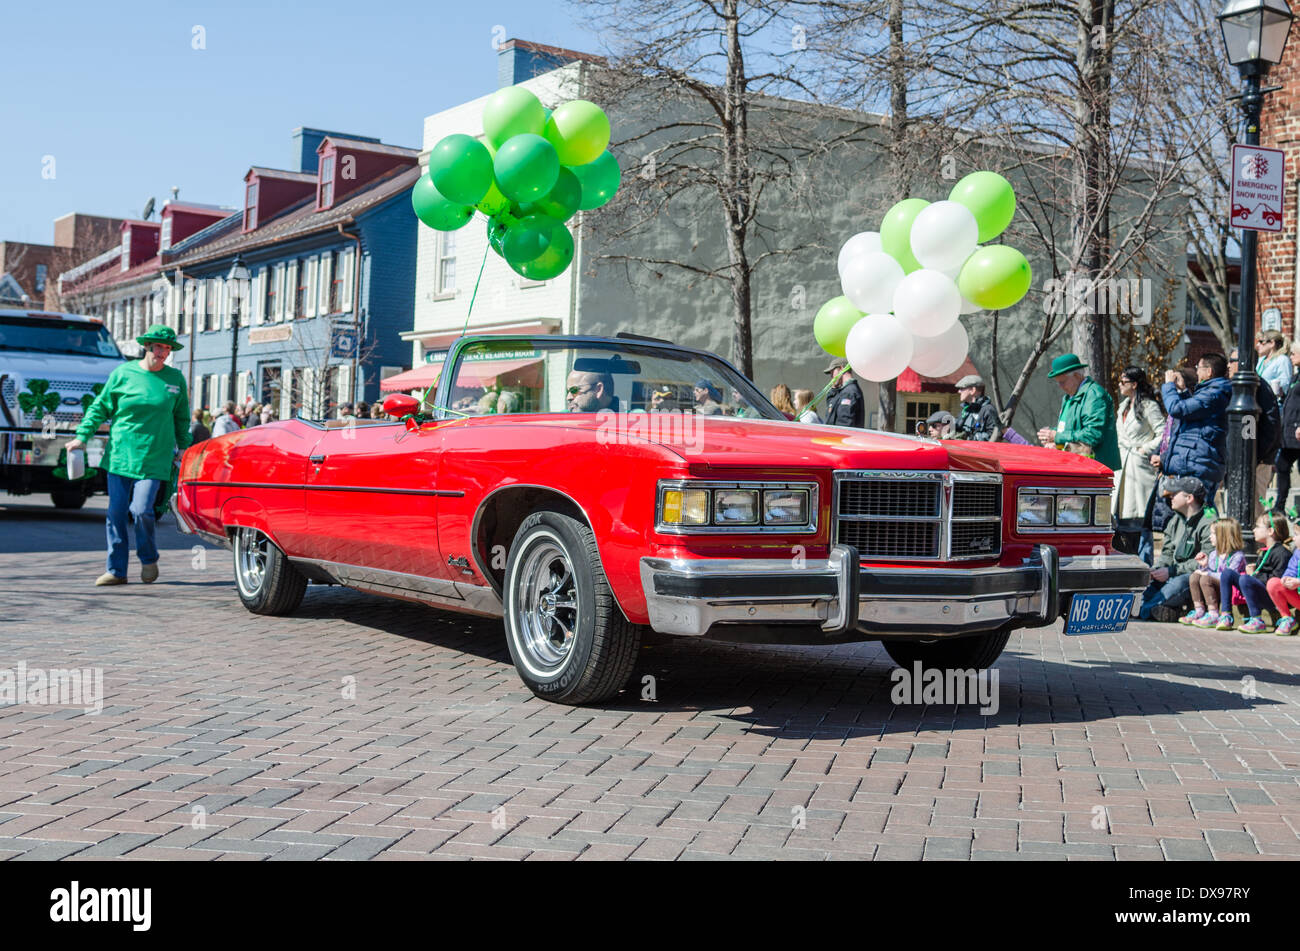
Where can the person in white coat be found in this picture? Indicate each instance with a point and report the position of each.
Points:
(1139, 424)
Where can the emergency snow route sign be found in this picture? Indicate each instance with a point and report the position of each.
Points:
(1258, 191)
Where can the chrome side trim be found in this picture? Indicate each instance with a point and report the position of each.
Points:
(473, 599)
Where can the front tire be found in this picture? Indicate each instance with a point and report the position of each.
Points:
(964, 653)
(567, 635)
(68, 498)
(266, 580)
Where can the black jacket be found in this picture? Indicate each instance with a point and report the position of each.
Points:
(1291, 417)
(846, 407)
(979, 420)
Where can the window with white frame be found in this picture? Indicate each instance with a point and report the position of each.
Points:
(165, 236)
(325, 196)
(250, 206)
(447, 262)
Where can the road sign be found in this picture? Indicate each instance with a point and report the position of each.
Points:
(344, 341)
(1258, 177)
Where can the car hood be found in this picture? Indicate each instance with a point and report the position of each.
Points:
(57, 366)
(756, 443)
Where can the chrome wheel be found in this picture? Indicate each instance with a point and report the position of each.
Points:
(251, 553)
(544, 604)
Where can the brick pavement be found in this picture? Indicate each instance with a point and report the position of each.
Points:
(369, 728)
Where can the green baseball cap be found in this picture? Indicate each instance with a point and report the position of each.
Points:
(159, 333)
(1066, 363)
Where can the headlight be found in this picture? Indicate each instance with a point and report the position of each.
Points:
(785, 507)
(690, 506)
(1033, 510)
(1073, 510)
(735, 507)
(1101, 510)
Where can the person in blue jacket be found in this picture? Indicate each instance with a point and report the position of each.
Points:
(1198, 445)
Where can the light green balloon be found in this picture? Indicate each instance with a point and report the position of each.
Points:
(493, 202)
(995, 277)
(833, 322)
(435, 209)
(990, 198)
(579, 130)
(599, 180)
(512, 111)
(896, 232)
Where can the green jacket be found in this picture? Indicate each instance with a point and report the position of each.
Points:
(1184, 537)
(1089, 417)
(150, 413)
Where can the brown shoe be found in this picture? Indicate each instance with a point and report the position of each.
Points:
(108, 578)
(149, 573)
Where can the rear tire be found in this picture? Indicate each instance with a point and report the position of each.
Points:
(964, 653)
(567, 635)
(267, 581)
(68, 498)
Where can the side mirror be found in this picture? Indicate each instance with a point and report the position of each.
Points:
(401, 404)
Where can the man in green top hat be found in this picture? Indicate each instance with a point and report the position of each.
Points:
(148, 402)
(1087, 424)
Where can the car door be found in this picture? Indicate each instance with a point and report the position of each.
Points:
(372, 498)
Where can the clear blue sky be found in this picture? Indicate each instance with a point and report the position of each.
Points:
(126, 106)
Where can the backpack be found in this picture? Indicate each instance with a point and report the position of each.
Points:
(1268, 436)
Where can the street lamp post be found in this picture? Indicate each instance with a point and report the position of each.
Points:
(236, 281)
(1254, 34)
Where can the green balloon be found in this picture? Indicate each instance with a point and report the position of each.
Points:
(561, 202)
(896, 232)
(510, 112)
(526, 168)
(496, 234)
(527, 239)
(435, 210)
(493, 203)
(552, 262)
(579, 130)
(833, 322)
(990, 198)
(995, 277)
(599, 180)
(461, 167)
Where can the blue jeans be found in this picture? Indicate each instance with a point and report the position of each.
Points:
(1147, 547)
(1252, 589)
(1176, 592)
(134, 497)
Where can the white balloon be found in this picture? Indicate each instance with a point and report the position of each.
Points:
(941, 355)
(864, 242)
(968, 308)
(944, 235)
(878, 348)
(869, 281)
(927, 303)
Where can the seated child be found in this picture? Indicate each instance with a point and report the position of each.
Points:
(1285, 592)
(1271, 535)
(1228, 553)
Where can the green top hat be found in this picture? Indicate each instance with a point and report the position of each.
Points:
(159, 333)
(1066, 363)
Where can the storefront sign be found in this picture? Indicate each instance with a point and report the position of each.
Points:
(270, 334)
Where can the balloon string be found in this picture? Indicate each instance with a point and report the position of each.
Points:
(828, 387)
(473, 296)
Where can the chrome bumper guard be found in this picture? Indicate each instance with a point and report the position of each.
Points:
(690, 596)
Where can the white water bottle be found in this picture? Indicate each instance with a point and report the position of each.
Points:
(76, 464)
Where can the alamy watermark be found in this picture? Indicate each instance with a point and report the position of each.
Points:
(935, 687)
(668, 427)
(1075, 295)
(74, 687)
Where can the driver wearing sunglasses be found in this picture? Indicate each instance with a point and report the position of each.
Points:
(590, 392)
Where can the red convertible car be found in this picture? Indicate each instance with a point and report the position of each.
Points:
(586, 489)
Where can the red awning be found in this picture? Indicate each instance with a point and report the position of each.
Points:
(524, 372)
(418, 379)
(909, 381)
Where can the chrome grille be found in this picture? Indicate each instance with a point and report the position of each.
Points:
(906, 515)
(898, 499)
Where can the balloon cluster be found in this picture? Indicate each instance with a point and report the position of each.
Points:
(906, 285)
(535, 171)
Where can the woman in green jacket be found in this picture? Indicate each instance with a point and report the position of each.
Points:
(149, 405)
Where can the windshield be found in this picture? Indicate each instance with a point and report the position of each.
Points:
(561, 376)
(51, 335)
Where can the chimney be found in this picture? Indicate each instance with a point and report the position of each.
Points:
(518, 60)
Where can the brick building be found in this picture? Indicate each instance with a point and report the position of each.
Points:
(1278, 273)
(28, 271)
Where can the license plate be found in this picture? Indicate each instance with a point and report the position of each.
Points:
(1098, 613)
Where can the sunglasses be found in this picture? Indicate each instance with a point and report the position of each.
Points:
(575, 390)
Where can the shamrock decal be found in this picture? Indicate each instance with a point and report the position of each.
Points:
(38, 399)
(88, 398)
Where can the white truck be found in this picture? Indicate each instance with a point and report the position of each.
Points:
(52, 366)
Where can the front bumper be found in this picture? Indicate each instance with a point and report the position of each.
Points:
(846, 601)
